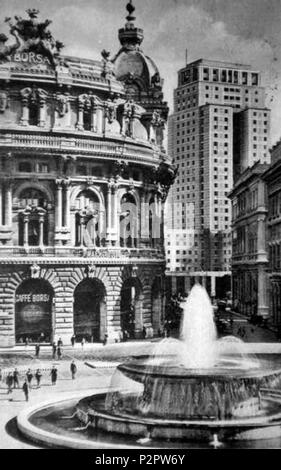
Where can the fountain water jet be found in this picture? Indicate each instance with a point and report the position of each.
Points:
(198, 332)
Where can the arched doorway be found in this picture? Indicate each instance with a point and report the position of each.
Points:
(89, 309)
(131, 307)
(33, 311)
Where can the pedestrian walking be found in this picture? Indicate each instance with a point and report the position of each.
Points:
(59, 352)
(73, 369)
(9, 382)
(29, 377)
(60, 343)
(54, 375)
(105, 339)
(38, 376)
(54, 346)
(37, 350)
(83, 341)
(16, 378)
(25, 389)
(144, 332)
(72, 340)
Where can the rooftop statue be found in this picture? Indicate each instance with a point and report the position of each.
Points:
(31, 35)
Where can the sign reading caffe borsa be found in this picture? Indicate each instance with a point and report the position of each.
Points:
(30, 57)
(30, 298)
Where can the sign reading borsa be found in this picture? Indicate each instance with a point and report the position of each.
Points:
(30, 57)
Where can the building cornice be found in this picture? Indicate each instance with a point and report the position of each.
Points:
(70, 143)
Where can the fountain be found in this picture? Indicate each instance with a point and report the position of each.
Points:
(192, 388)
(197, 387)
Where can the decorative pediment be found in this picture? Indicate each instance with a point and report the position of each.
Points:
(34, 94)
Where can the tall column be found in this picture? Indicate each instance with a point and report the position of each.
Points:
(67, 204)
(161, 221)
(261, 248)
(82, 230)
(80, 123)
(42, 107)
(25, 112)
(263, 303)
(25, 230)
(41, 230)
(108, 214)
(8, 204)
(94, 119)
(114, 215)
(99, 120)
(94, 233)
(59, 205)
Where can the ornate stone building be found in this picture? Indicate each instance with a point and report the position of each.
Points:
(272, 178)
(250, 286)
(83, 181)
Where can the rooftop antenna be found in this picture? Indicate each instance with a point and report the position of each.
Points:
(186, 56)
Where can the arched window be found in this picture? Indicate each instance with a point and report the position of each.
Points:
(33, 218)
(128, 222)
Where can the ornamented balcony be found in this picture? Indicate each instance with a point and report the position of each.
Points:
(123, 148)
(93, 255)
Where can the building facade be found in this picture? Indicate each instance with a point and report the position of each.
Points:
(220, 126)
(83, 184)
(250, 284)
(272, 178)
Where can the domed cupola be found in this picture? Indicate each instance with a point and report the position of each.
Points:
(130, 62)
(138, 72)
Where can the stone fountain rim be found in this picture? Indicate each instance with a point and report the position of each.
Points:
(247, 422)
(140, 371)
(50, 439)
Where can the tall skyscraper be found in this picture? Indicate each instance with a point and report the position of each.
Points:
(220, 126)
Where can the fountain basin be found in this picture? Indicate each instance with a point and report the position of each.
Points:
(170, 392)
(91, 410)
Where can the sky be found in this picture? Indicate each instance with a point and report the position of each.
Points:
(243, 31)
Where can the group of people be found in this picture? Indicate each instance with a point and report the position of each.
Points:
(40, 339)
(12, 379)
